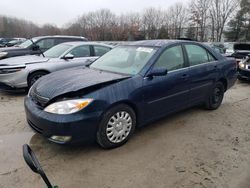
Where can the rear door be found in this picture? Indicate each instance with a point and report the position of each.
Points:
(165, 94)
(203, 72)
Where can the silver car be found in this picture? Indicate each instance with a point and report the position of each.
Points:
(22, 72)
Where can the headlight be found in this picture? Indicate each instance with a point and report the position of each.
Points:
(8, 71)
(241, 65)
(3, 54)
(68, 106)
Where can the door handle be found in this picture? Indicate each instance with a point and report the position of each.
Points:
(185, 76)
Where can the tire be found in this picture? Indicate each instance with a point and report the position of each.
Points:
(216, 97)
(116, 127)
(34, 77)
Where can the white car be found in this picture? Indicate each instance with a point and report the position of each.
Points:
(23, 71)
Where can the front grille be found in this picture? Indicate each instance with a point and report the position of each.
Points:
(39, 100)
(37, 129)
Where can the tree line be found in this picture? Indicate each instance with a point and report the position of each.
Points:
(201, 20)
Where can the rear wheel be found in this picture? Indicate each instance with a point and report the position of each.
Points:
(216, 96)
(116, 127)
(35, 76)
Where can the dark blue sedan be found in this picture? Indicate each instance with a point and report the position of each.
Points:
(128, 87)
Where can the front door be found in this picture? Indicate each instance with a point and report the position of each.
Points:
(169, 93)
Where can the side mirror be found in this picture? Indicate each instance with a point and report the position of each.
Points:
(32, 161)
(68, 56)
(35, 47)
(158, 72)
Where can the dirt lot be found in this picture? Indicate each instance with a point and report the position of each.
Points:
(192, 149)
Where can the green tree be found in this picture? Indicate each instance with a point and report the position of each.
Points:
(239, 26)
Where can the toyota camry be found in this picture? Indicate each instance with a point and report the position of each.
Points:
(128, 87)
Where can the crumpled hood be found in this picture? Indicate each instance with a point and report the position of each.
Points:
(23, 60)
(71, 80)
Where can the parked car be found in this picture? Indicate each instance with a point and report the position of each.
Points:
(217, 47)
(238, 50)
(126, 88)
(244, 69)
(4, 41)
(15, 42)
(24, 71)
(36, 45)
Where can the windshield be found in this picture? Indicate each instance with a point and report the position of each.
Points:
(125, 59)
(27, 43)
(57, 51)
(13, 41)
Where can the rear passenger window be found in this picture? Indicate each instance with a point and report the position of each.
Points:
(197, 55)
(62, 40)
(171, 59)
(100, 50)
(81, 51)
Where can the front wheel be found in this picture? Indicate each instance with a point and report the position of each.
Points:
(116, 127)
(216, 97)
(35, 76)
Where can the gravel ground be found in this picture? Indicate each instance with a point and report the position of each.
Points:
(191, 149)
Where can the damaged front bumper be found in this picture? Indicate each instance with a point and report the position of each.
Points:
(14, 81)
(62, 129)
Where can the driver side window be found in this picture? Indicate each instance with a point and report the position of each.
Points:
(80, 51)
(171, 59)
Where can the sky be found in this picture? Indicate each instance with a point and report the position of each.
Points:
(60, 12)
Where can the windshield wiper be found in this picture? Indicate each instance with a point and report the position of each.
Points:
(38, 47)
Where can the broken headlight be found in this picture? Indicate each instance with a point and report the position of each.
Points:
(68, 106)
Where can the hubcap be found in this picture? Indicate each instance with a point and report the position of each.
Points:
(119, 127)
(217, 95)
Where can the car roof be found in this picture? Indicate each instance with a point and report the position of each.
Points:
(60, 36)
(158, 43)
(77, 43)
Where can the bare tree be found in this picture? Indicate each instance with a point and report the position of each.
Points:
(177, 16)
(152, 21)
(220, 12)
(200, 18)
(199, 15)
